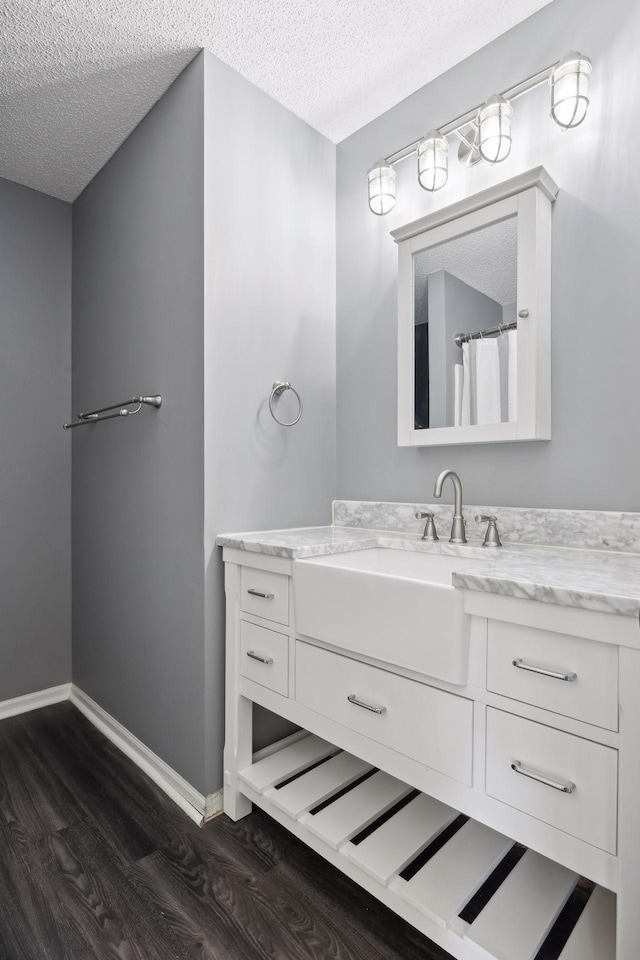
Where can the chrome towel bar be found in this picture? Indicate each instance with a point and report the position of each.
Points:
(94, 415)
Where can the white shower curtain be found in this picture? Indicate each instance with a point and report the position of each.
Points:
(489, 380)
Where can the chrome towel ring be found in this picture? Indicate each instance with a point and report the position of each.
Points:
(279, 387)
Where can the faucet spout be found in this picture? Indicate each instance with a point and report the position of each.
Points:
(457, 527)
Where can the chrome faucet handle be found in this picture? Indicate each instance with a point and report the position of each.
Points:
(491, 537)
(430, 532)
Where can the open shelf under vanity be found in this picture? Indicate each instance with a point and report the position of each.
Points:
(462, 884)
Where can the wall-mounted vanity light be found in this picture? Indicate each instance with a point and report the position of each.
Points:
(568, 81)
(484, 132)
(494, 129)
(433, 161)
(382, 188)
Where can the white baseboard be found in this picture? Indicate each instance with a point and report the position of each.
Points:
(213, 805)
(34, 701)
(193, 803)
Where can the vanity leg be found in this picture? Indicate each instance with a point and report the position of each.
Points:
(238, 747)
(237, 754)
(628, 915)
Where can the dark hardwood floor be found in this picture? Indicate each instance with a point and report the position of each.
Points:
(95, 861)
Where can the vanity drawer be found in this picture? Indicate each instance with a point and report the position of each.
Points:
(265, 657)
(426, 724)
(592, 694)
(265, 594)
(590, 770)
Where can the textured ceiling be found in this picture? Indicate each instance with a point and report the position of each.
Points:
(485, 259)
(76, 76)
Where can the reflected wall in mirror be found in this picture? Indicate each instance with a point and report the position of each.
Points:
(474, 305)
(465, 351)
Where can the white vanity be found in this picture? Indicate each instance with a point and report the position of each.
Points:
(520, 731)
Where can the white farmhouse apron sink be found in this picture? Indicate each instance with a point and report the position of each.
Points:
(396, 606)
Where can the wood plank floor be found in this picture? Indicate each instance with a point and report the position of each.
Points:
(95, 861)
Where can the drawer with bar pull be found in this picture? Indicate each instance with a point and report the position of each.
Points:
(421, 722)
(569, 675)
(561, 779)
(265, 594)
(264, 657)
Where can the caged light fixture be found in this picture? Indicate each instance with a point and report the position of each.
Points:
(382, 188)
(484, 133)
(494, 129)
(568, 81)
(433, 161)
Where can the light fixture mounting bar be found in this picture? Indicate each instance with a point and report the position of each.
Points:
(467, 118)
(404, 152)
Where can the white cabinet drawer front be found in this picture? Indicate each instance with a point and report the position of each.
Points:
(265, 594)
(591, 770)
(591, 693)
(429, 725)
(265, 657)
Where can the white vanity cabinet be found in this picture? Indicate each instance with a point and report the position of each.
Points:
(540, 749)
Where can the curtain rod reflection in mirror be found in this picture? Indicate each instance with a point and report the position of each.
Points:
(461, 338)
(93, 416)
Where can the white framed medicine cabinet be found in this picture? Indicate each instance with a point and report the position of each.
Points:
(474, 317)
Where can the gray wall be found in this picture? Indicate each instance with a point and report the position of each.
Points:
(193, 280)
(138, 287)
(592, 460)
(269, 315)
(35, 477)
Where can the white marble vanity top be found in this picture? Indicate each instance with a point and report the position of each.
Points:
(591, 579)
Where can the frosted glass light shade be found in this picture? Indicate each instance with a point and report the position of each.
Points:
(569, 80)
(382, 188)
(494, 129)
(433, 161)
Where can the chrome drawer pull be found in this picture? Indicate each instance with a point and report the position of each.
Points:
(259, 593)
(257, 656)
(555, 674)
(352, 698)
(567, 787)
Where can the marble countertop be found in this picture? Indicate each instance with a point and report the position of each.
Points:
(591, 579)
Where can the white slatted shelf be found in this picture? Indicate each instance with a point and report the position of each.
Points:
(312, 788)
(517, 919)
(386, 851)
(511, 926)
(286, 762)
(594, 935)
(351, 813)
(446, 883)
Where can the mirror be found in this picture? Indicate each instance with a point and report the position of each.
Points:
(474, 318)
(464, 293)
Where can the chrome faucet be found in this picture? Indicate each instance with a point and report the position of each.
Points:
(457, 527)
